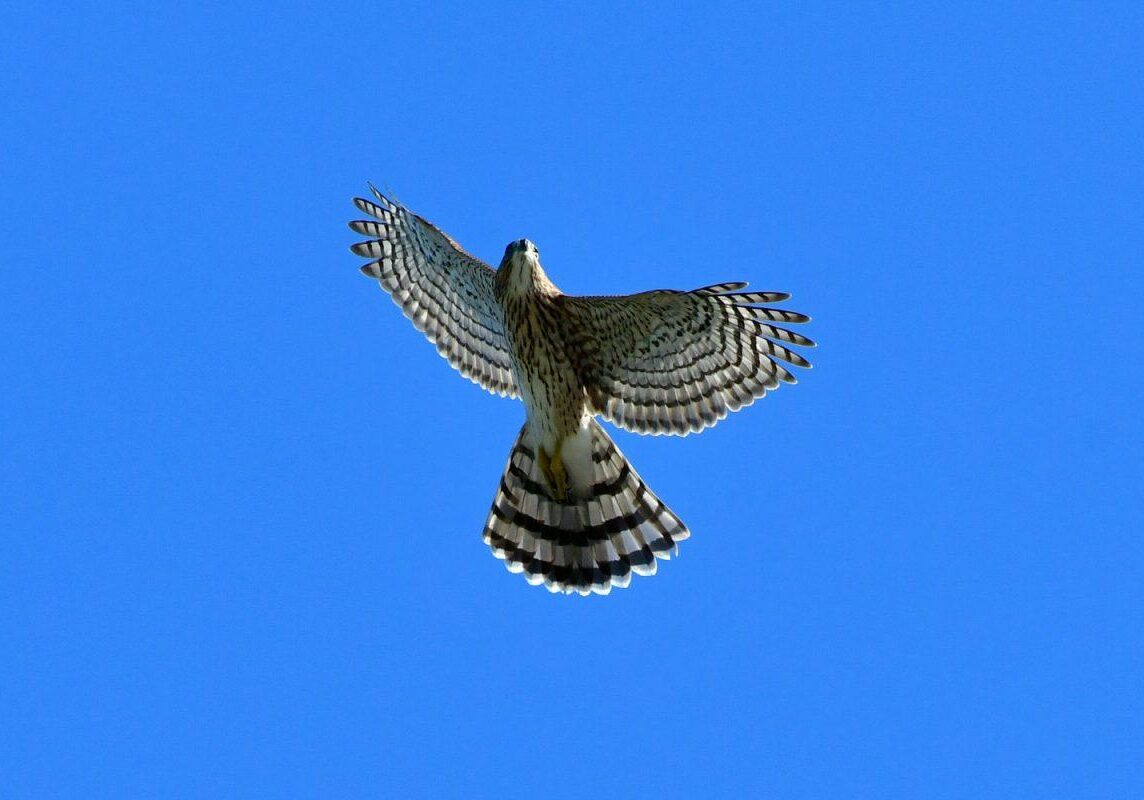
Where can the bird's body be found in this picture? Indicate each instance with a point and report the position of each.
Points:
(543, 364)
(570, 511)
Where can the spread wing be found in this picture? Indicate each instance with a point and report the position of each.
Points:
(447, 293)
(678, 362)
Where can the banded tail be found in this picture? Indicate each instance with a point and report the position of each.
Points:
(580, 545)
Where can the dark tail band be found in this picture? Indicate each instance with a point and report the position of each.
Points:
(585, 545)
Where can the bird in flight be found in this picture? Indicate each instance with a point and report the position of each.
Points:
(571, 513)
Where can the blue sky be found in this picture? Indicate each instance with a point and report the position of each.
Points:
(241, 498)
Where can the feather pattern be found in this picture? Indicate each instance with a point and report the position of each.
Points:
(670, 362)
(444, 291)
(585, 545)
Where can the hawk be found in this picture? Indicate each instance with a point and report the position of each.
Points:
(570, 511)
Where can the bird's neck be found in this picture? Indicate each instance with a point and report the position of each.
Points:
(523, 275)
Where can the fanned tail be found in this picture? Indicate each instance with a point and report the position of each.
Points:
(580, 545)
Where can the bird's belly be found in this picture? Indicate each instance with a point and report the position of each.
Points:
(549, 385)
(557, 427)
(551, 390)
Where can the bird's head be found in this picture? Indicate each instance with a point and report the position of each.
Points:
(520, 269)
(521, 248)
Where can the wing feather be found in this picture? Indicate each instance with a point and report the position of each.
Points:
(669, 362)
(444, 291)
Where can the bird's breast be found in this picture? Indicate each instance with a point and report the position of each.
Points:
(549, 385)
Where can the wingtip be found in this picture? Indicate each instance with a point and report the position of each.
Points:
(386, 198)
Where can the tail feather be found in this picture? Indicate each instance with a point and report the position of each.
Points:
(580, 545)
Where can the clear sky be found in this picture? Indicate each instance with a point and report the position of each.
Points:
(241, 498)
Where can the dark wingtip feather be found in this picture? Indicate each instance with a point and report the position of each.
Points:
(786, 316)
(721, 288)
(367, 227)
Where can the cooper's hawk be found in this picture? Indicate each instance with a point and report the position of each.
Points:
(571, 513)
